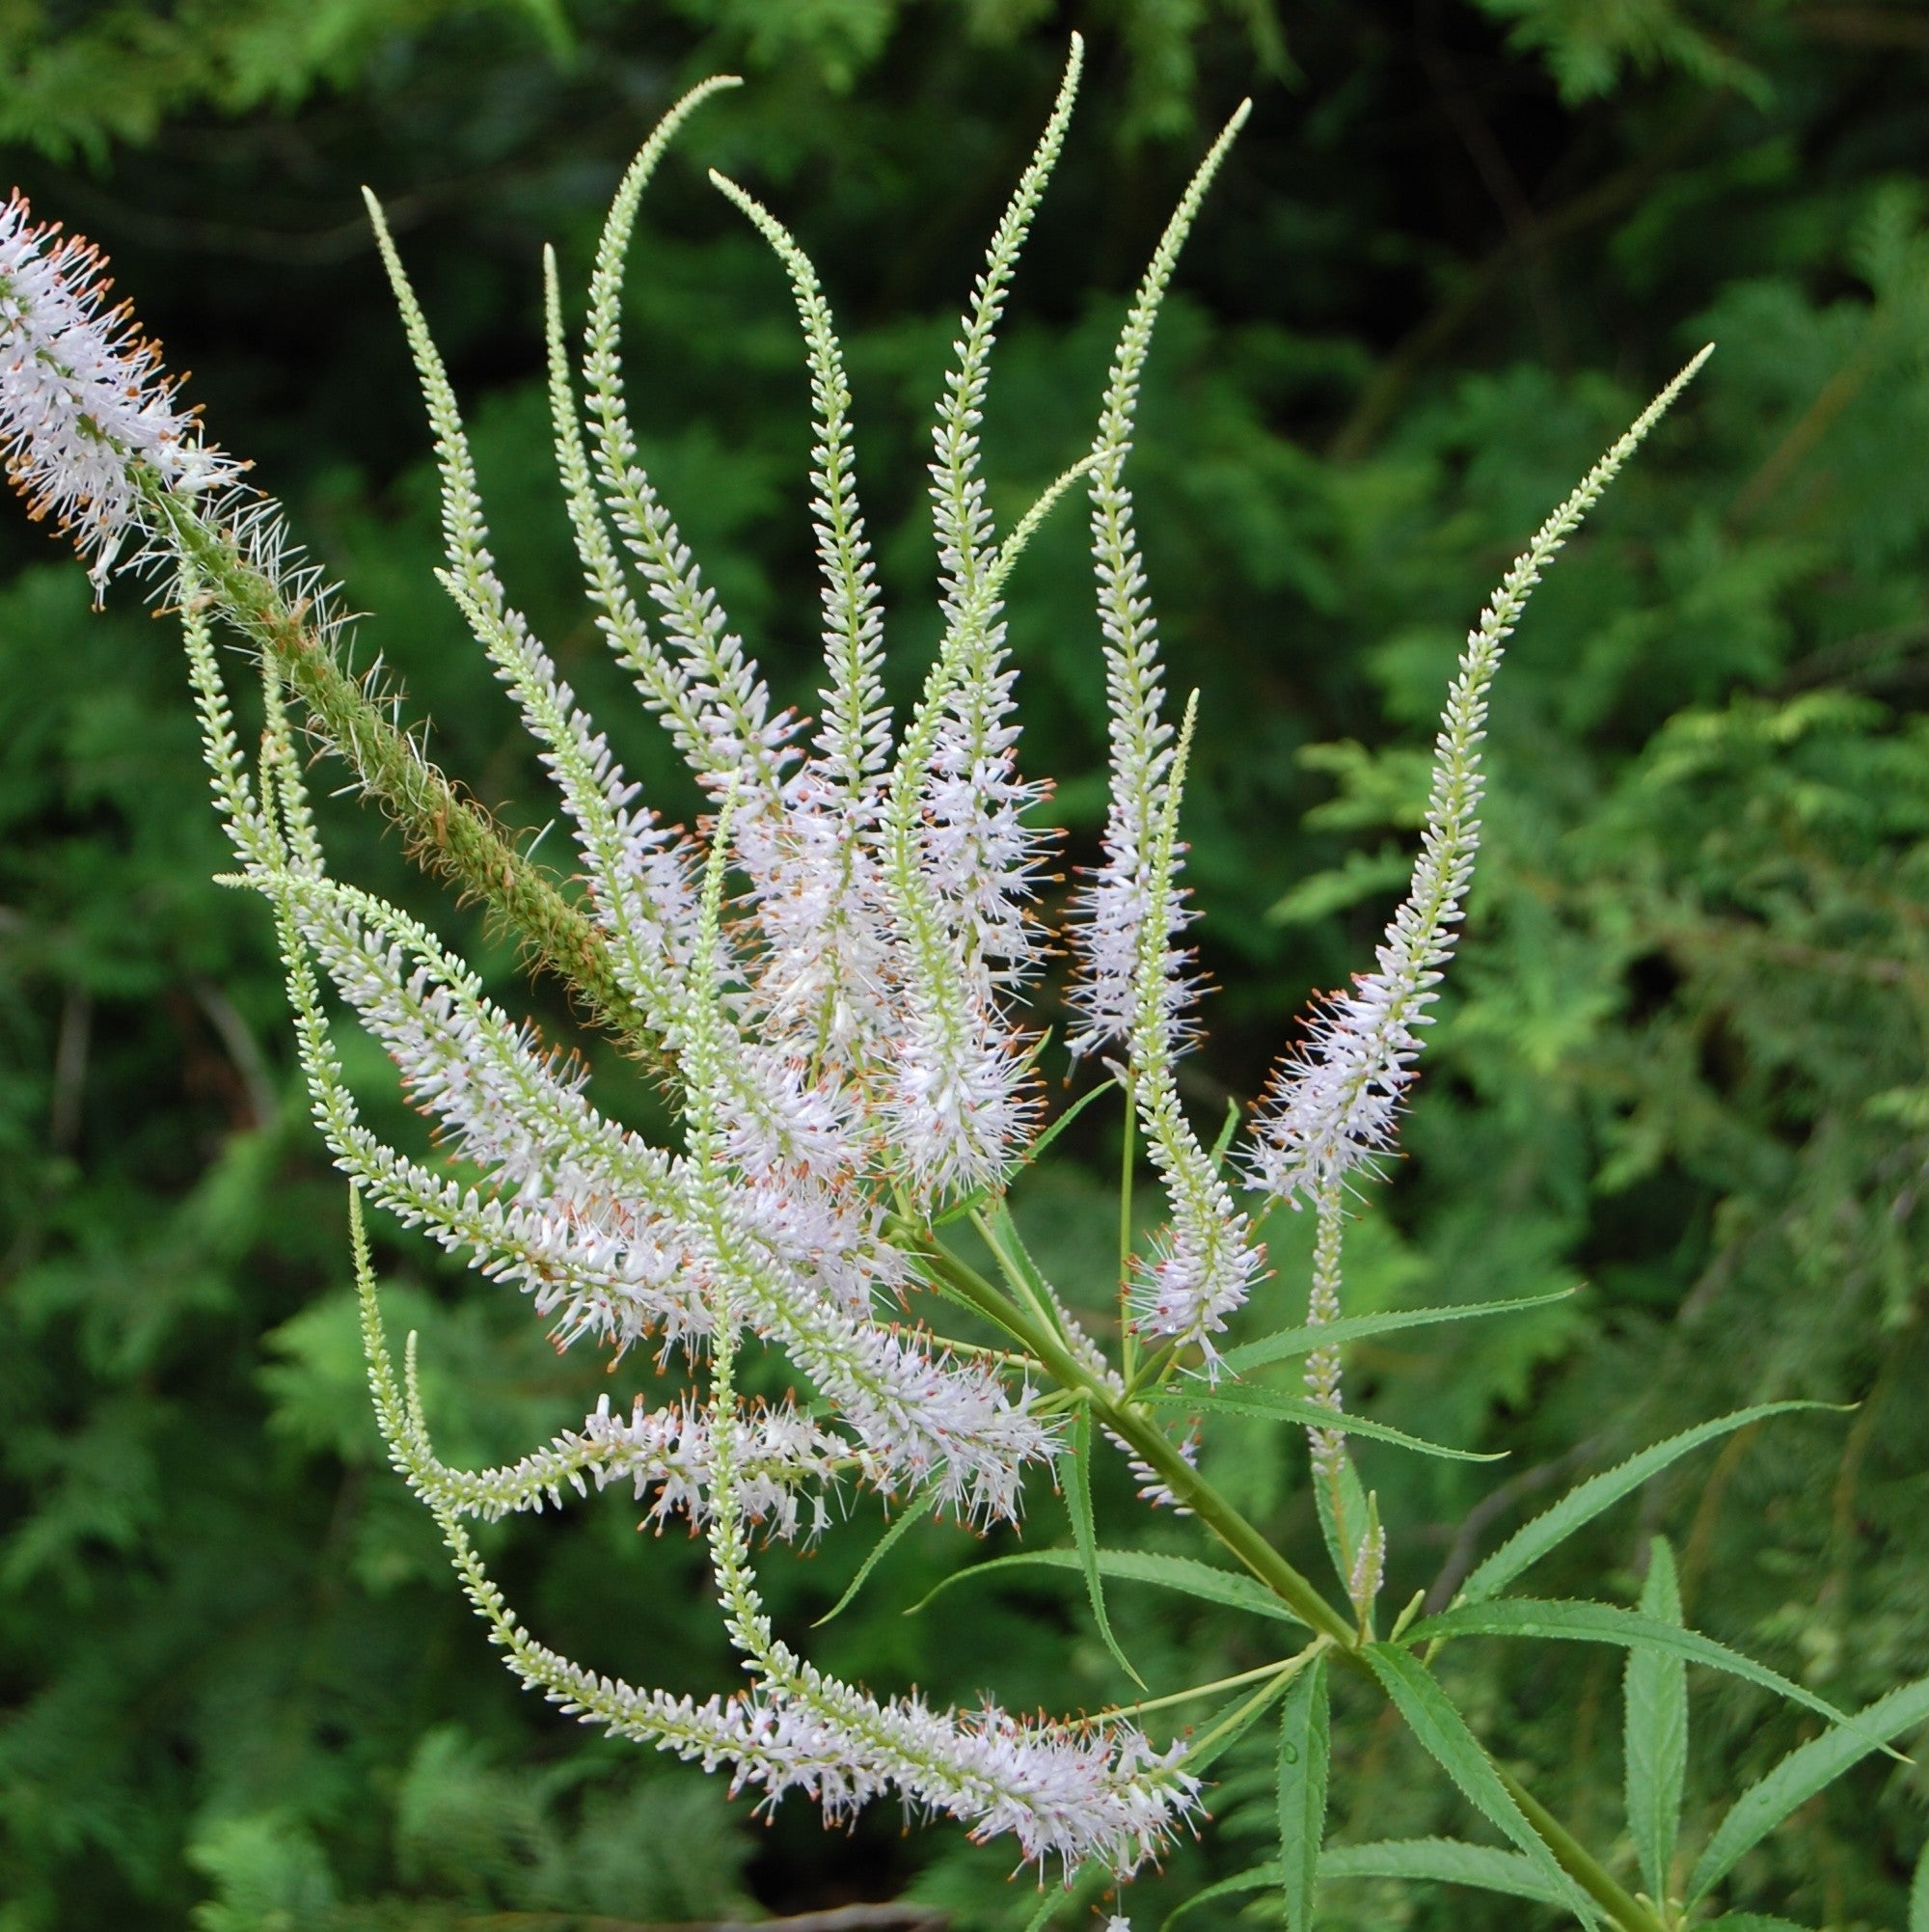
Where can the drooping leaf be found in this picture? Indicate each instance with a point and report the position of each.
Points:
(1256, 1879)
(1587, 1500)
(1444, 1735)
(1655, 1728)
(1280, 1405)
(1608, 1623)
(1446, 1860)
(1077, 1470)
(1807, 1769)
(1184, 1574)
(907, 1516)
(1304, 1748)
(1288, 1344)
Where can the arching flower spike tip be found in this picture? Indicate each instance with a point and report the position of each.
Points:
(1336, 1101)
(86, 414)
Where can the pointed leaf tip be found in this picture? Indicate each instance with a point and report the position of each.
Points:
(1304, 1750)
(1655, 1729)
(1076, 1465)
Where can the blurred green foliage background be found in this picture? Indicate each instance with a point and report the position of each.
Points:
(1682, 1063)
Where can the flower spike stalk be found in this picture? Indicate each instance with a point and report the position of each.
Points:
(830, 971)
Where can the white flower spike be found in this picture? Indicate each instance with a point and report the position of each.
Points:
(1337, 1099)
(85, 412)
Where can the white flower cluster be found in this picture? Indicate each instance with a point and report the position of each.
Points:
(83, 407)
(845, 1044)
(829, 967)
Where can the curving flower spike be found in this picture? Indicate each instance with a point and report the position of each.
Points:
(959, 1104)
(1336, 1099)
(826, 977)
(711, 697)
(638, 871)
(788, 1465)
(981, 856)
(1109, 912)
(1206, 1261)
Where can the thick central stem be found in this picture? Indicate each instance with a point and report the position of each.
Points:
(1579, 1864)
(1148, 1441)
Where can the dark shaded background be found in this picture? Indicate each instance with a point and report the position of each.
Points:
(1683, 1063)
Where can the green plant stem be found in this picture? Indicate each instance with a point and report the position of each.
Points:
(1149, 1442)
(1189, 1487)
(1579, 1864)
(1278, 1667)
(1126, 1161)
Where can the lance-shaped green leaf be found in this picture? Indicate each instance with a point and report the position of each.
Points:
(1078, 1472)
(1257, 1878)
(1065, 1120)
(1443, 1731)
(1280, 1405)
(1807, 1769)
(1290, 1344)
(1042, 1918)
(1608, 1623)
(1304, 1747)
(1445, 1861)
(1587, 1500)
(907, 1516)
(1184, 1574)
(1655, 1728)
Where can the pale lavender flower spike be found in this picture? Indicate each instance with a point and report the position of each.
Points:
(83, 401)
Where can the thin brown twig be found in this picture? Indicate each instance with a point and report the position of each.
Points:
(1380, 400)
(1465, 1547)
(71, 1053)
